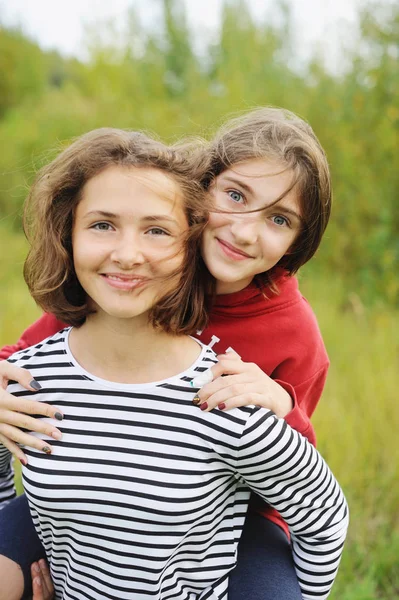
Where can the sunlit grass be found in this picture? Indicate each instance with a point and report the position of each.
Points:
(356, 422)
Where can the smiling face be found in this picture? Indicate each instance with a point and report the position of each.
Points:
(236, 247)
(127, 240)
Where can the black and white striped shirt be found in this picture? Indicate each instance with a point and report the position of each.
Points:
(7, 487)
(145, 496)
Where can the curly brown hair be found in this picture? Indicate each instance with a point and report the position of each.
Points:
(48, 219)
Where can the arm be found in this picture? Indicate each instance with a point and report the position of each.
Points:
(15, 411)
(45, 326)
(236, 383)
(287, 472)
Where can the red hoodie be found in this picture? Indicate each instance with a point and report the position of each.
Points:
(279, 333)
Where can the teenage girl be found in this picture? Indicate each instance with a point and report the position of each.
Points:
(269, 162)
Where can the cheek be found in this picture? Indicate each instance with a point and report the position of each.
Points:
(85, 252)
(217, 220)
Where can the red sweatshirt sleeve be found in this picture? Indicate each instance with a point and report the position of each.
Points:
(305, 397)
(42, 328)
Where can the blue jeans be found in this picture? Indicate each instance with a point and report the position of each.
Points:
(18, 538)
(265, 568)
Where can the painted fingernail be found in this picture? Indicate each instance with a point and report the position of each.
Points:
(58, 416)
(35, 385)
(221, 406)
(57, 435)
(23, 461)
(204, 406)
(46, 449)
(202, 379)
(196, 400)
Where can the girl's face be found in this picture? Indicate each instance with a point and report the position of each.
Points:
(127, 239)
(236, 247)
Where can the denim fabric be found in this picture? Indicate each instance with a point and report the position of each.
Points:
(265, 567)
(18, 538)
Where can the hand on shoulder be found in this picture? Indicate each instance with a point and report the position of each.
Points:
(237, 383)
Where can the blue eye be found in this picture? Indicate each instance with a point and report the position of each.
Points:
(280, 221)
(236, 196)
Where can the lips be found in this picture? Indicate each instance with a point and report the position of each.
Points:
(124, 281)
(231, 251)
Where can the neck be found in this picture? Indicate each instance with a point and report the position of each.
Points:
(227, 287)
(130, 352)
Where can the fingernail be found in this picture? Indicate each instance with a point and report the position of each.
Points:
(202, 379)
(38, 581)
(36, 568)
(23, 461)
(204, 406)
(196, 400)
(46, 449)
(58, 416)
(221, 406)
(35, 385)
(57, 435)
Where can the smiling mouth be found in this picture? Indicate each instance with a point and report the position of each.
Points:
(124, 282)
(233, 252)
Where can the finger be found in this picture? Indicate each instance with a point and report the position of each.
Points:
(16, 435)
(30, 407)
(10, 372)
(225, 394)
(226, 366)
(244, 399)
(46, 577)
(14, 449)
(37, 588)
(221, 383)
(21, 420)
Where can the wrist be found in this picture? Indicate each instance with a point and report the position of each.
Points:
(282, 403)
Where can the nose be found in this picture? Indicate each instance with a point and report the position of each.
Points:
(128, 251)
(245, 230)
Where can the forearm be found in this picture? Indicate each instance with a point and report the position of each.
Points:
(283, 467)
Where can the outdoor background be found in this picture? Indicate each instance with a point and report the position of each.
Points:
(161, 78)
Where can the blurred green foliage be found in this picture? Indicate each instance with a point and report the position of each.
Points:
(154, 80)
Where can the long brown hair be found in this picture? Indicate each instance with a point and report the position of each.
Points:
(283, 137)
(48, 219)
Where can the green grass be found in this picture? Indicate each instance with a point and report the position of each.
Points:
(356, 422)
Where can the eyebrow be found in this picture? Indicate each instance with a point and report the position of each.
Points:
(249, 190)
(240, 183)
(149, 218)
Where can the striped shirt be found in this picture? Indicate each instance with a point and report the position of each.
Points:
(7, 488)
(145, 496)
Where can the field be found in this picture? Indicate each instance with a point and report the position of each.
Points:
(356, 423)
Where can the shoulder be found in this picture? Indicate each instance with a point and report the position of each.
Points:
(39, 353)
